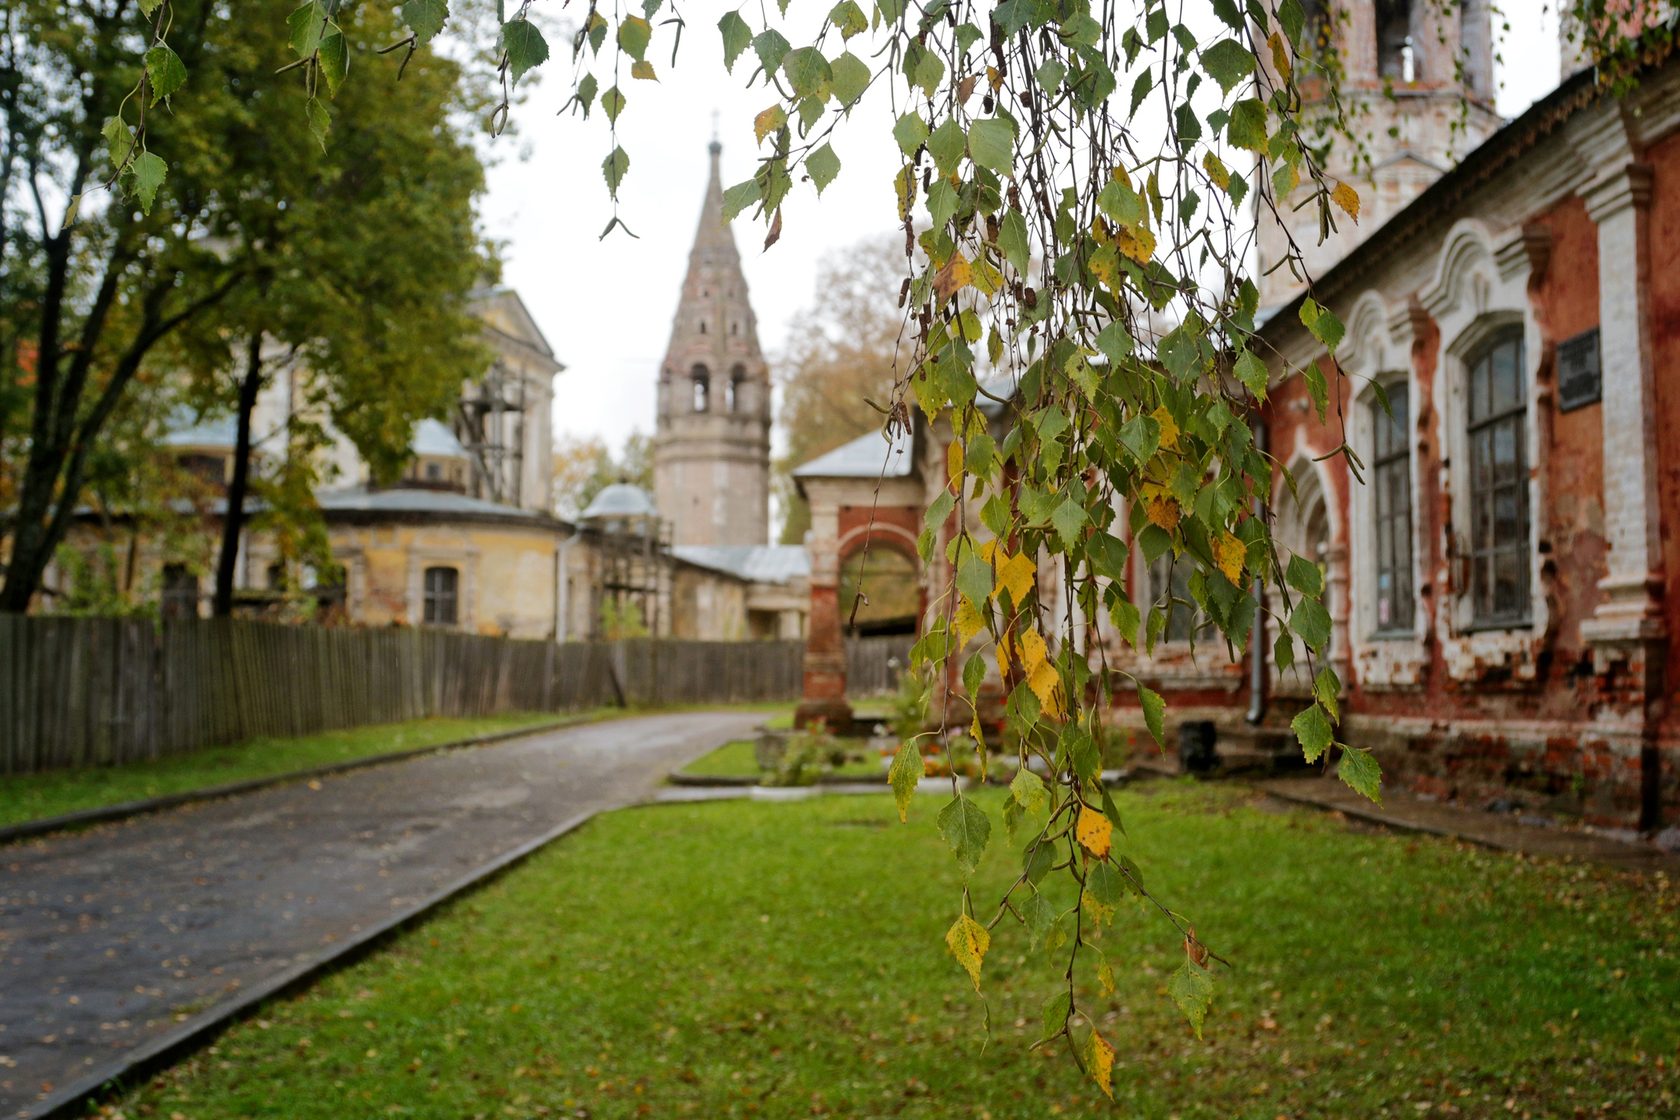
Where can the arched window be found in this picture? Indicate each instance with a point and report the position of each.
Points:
(702, 383)
(1396, 45)
(1495, 423)
(737, 378)
(1169, 589)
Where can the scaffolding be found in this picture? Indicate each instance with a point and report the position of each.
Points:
(492, 429)
(633, 569)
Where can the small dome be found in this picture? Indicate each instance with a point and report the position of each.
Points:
(621, 499)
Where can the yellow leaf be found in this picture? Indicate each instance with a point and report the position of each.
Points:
(952, 278)
(1099, 1059)
(968, 621)
(1099, 231)
(1093, 831)
(644, 70)
(1217, 171)
(954, 461)
(994, 77)
(1169, 428)
(1105, 265)
(1004, 655)
(1280, 55)
(1042, 677)
(905, 185)
(1162, 508)
(968, 942)
(1105, 977)
(1347, 198)
(1016, 576)
(979, 735)
(1136, 242)
(768, 121)
(1229, 553)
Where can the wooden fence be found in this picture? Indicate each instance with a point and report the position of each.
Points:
(94, 691)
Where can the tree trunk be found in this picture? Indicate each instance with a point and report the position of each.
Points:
(233, 516)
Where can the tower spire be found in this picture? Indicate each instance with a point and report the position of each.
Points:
(712, 445)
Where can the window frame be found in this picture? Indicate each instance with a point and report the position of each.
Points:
(1483, 489)
(432, 599)
(1388, 557)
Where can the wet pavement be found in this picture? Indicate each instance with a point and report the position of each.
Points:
(116, 940)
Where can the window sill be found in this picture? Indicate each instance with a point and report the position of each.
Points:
(1392, 636)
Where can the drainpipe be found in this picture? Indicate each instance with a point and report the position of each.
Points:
(562, 587)
(1257, 633)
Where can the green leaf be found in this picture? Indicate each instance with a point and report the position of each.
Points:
(1028, 789)
(334, 59)
(967, 830)
(1312, 622)
(1247, 126)
(947, 145)
(119, 140)
(1050, 74)
(739, 197)
(320, 121)
(822, 165)
(1154, 712)
(165, 72)
(1313, 730)
(614, 167)
(737, 37)
(1105, 884)
(425, 17)
(612, 103)
(771, 48)
(1327, 687)
(525, 46)
(903, 775)
(1304, 576)
(306, 24)
(1228, 62)
(1361, 772)
(974, 579)
(911, 132)
(1251, 371)
(586, 92)
(1114, 342)
(991, 144)
(1012, 240)
(1141, 435)
(1323, 324)
(634, 33)
(849, 18)
(1191, 987)
(808, 72)
(1069, 519)
(1053, 1018)
(145, 175)
(851, 78)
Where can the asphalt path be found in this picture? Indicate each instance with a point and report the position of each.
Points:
(115, 940)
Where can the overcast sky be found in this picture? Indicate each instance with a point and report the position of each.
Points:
(606, 306)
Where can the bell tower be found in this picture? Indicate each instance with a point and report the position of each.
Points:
(711, 452)
(1416, 80)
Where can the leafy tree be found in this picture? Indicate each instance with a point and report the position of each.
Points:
(358, 255)
(583, 467)
(842, 361)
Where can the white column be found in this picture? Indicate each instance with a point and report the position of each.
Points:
(1619, 203)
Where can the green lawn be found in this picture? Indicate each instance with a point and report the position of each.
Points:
(31, 796)
(782, 960)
